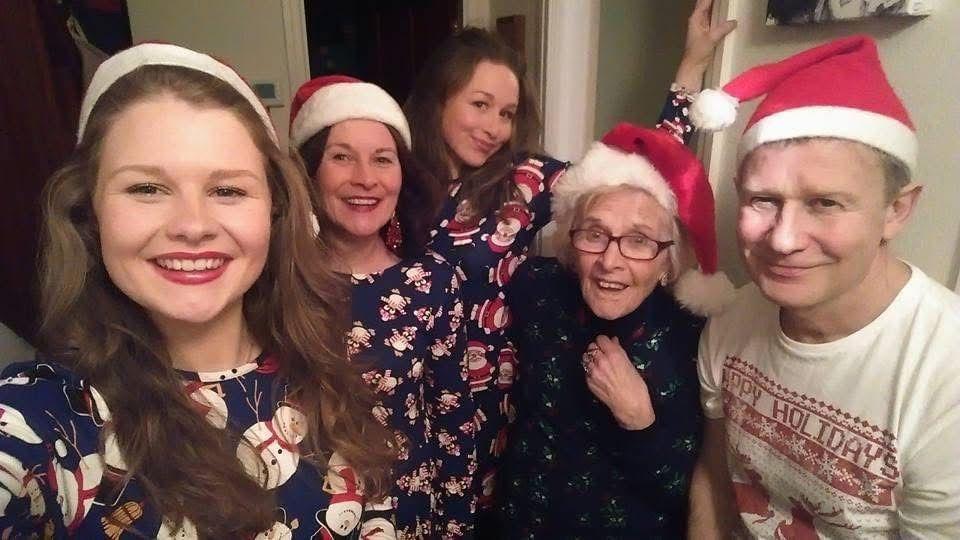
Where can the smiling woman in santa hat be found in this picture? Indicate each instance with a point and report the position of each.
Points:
(609, 423)
(407, 317)
(193, 382)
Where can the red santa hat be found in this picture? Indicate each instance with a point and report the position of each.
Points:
(838, 89)
(654, 161)
(164, 54)
(325, 101)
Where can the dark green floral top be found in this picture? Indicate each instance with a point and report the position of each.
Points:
(571, 471)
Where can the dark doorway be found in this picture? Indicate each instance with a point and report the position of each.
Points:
(39, 104)
(381, 41)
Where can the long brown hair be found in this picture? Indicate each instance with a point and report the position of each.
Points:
(420, 192)
(447, 71)
(292, 310)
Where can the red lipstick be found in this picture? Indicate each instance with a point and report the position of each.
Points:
(207, 274)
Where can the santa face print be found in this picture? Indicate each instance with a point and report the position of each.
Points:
(479, 368)
(507, 229)
(183, 210)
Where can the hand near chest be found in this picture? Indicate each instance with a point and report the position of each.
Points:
(614, 380)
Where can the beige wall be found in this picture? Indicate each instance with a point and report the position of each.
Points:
(247, 34)
(476, 13)
(921, 57)
(641, 42)
(530, 9)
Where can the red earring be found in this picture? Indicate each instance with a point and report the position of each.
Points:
(394, 237)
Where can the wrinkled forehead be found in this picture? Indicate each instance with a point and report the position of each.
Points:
(811, 164)
(623, 209)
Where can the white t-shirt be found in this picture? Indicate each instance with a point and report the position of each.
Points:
(859, 437)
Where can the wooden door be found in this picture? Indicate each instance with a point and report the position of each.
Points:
(39, 104)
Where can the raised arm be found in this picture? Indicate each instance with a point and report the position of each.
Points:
(702, 39)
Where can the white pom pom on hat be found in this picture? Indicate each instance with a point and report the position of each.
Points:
(707, 294)
(714, 110)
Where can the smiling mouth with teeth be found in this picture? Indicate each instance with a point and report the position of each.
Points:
(610, 285)
(362, 201)
(189, 265)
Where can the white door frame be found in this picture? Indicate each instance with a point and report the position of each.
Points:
(570, 76)
(295, 39)
(711, 147)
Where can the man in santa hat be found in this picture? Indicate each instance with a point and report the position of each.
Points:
(831, 385)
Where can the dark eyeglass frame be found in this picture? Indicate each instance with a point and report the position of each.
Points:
(611, 238)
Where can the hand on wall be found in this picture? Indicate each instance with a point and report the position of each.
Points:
(702, 40)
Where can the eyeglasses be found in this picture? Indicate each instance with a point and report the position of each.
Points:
(633, 246)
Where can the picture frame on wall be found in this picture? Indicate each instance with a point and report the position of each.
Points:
(791, 12)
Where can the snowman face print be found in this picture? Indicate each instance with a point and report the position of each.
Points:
(268, 450)
(346, 497)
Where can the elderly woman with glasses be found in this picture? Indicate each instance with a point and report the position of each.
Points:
(608, 419)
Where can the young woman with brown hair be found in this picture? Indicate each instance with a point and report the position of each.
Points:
(194, 380)
(474, 121)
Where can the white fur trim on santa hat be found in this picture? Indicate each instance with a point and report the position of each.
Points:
(713, 110)
(604, 166)
(704, 294)
(164, 54)
(344, 101)
(872, 129)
